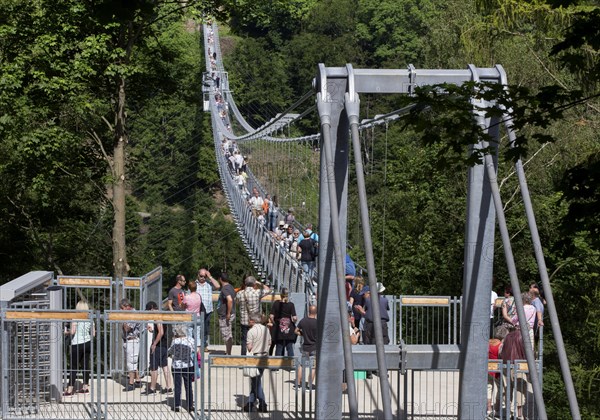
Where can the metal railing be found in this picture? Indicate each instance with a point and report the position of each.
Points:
(37, 387)
(271, 261)
(36, 364)
(427, 319)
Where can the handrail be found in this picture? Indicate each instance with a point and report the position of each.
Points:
(270, 259)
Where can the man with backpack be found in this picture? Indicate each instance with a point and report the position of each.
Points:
(308, 253)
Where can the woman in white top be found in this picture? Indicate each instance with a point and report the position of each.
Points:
(81, 333)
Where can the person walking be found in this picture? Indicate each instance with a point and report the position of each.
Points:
(513, 349)
(226, 311)
(182, 352)
(258, 344)
(283, 319)
(249, 303)
(509, 308)
(357, 298)
(193, 304)
(307, 328)
(176, 294)
(158, 353)
(494, 386)
(308, 247)
(131, 346)
(255, 202)
(369, 315)
(81, 333)
(273, 214)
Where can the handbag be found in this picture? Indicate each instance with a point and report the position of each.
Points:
(250, 372)
(198, 357)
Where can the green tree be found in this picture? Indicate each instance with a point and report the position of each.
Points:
(277, 18)
(81, 68)
(259, 79)
(392, 33)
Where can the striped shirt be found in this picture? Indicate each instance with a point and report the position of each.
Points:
(249, 303)
(205, 289)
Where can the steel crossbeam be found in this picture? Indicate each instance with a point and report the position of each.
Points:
(337, 91)
(405, 357)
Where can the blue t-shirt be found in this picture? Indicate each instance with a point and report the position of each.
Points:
(350, 267)
(312, 235)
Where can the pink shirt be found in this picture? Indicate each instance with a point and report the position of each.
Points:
(193, 303)
(530, 313)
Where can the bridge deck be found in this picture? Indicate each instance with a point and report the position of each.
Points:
(226, 389)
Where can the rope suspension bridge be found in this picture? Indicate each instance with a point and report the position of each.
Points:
(307, 179)
(337, 91)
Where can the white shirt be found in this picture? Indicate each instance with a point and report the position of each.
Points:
(239, 159)
(259, 339)
(494, 297)
(83, 332)
(256, 202)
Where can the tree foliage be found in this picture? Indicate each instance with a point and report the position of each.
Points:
(62, 65)
(416, 174)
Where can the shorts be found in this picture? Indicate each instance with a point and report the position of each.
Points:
(158, 358)
(132, 353)
(225, 327)
(308, 359)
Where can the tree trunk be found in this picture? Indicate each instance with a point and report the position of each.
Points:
(120, 266)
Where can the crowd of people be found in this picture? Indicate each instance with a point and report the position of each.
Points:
(301, 243)
(262, 335)
(275, 334)
(507, 344)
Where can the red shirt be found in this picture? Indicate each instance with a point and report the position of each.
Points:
(493, 354)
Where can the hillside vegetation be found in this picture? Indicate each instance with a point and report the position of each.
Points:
(80, 80)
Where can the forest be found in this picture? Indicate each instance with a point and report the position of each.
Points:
(107, 164)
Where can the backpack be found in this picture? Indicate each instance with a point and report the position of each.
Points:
(285, 325)
(315, 248)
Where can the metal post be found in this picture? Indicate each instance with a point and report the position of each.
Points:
(301, 303)
(352, 109)
(4, 365)
(116, 350)
(477, 288)
(543, 271)
(55, 297)
(203, 366)
(512, 271)
(329, 363)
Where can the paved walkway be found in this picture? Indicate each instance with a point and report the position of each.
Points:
(224, 390)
